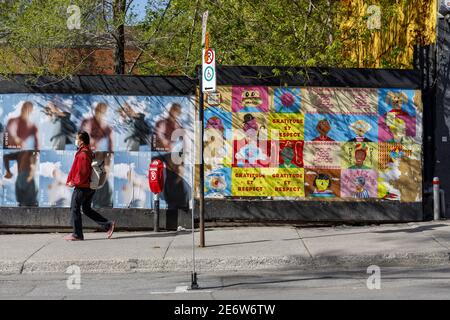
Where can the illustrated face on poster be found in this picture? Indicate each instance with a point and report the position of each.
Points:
(173, 127)
(103, 197)
(250, 99)
(397, 116)
(218, 182)
(359, 184)
(322, 183)
(21, 178)
(343, 128)
(359, 155)
(322, 155)
(130, 180)
(219, 100)
(400, 172)
(291, 154)
(217, 138)
(54, 168)
(250, 126)
(287, 100)
(20, 120)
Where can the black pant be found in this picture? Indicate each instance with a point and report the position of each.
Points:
(82, 200)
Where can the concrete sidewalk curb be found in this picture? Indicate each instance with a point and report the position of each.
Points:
(229, 264)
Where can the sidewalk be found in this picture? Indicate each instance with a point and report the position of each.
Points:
(242, 248)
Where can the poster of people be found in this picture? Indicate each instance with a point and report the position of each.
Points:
(37, 133)
(348, 144)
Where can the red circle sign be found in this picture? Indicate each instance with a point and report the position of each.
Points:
(209, 56)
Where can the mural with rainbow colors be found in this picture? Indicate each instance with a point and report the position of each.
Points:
(313, 143)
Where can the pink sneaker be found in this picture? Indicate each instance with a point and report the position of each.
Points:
(110, 232)
(71, 237)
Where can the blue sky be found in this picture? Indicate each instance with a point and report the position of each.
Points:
(139, 8)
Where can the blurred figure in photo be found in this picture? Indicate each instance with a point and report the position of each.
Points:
(64, 129)
(98, 128)
(20, 129)
(139, 131)
(165, 128)
(25, 187)
(103, 196)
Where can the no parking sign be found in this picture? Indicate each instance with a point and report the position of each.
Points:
(209, 70)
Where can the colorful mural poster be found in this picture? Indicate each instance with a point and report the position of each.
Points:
(359, 155)
(397, 116)
(317, 143)
(217, 138)
(400, 173)
(218, 183)
(54, 168)
(103, 197)
(322, 155)
(287, 100)
(323, 184)
(250, 99)
(284, 182)
(359, 184)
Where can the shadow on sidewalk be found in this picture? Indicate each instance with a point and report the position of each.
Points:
(151, 235)
(414, 230)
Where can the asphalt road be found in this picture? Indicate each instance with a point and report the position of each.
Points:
(395, 283)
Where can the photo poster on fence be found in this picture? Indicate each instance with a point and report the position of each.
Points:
(126, 132)
(313, 143)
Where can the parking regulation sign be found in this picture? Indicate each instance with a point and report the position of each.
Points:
(208, 70)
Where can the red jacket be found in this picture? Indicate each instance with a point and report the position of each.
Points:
(80, 173)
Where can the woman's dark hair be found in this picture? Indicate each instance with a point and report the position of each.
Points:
(322, 176)
(84, 137)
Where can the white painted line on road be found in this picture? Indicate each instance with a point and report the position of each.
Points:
(181, 289)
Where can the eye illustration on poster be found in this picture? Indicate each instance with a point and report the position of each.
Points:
(250, 99)
(59, 118)
(399, 172)
(20, 119)
(20, 178)
(287, 100)
(172, 123)
(131, 180)
(103, 197)
(323, 183)
(54, 168)
(218, 182)
(359, 184)
(97, 120)
(397, 116)
(132, 127)
(217, 137)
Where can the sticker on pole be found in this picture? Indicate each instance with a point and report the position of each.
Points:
(209, 71)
